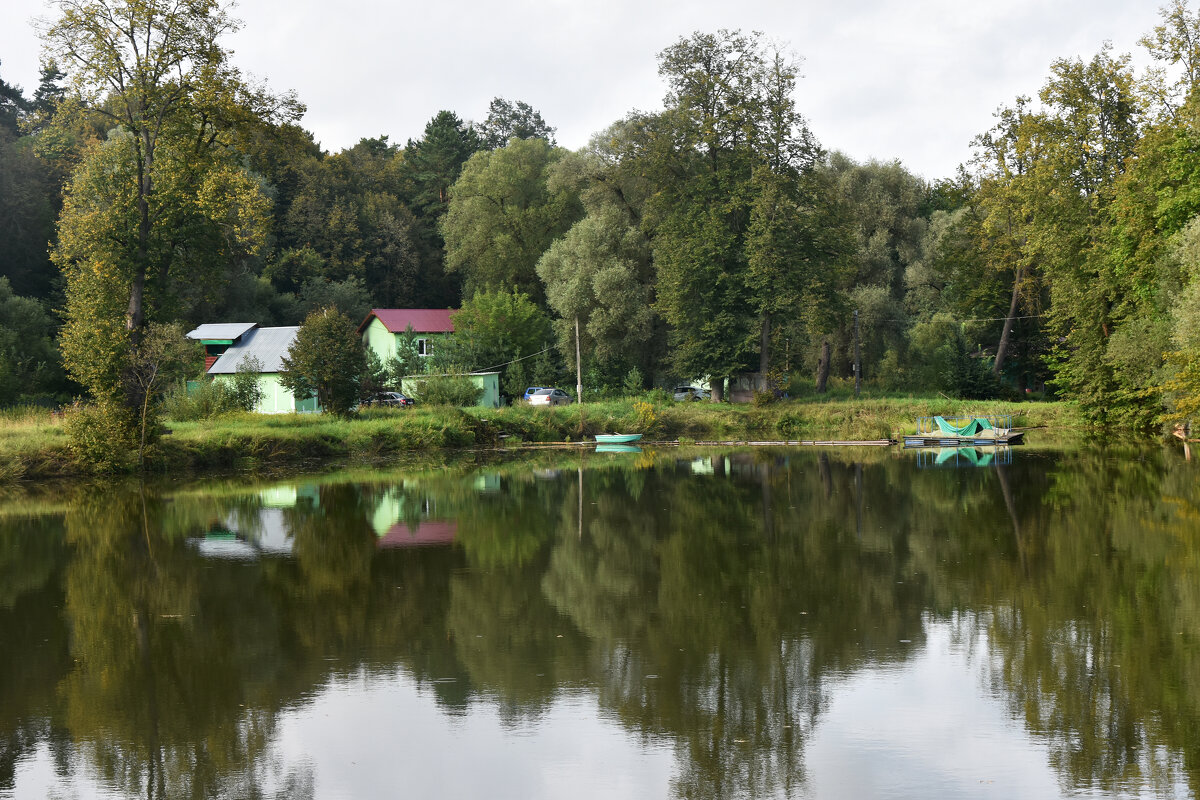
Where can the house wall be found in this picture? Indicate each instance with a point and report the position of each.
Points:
(488, 381)
(380, 339)
(275, 398)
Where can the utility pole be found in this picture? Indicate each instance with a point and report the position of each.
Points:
(857, 361)
(579, 367)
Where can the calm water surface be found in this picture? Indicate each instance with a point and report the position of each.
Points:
(694, 624)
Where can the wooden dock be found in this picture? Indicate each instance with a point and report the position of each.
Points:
(939, 440)
(800, 443)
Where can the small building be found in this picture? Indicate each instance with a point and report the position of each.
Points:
(488, 383)
(743, 386)
(383, 327)
(266, 345)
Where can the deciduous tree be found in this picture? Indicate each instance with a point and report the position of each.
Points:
(503, 215)
(326, 360)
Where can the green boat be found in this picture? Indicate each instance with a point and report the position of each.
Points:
(617, 438)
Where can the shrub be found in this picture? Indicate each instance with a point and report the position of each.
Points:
(103, 437)
(790, 425)
(632, 383)
(647, 420)
(202, 400)
(245, 390)
(447, 390)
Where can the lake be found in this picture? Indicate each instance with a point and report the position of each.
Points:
(691, 623)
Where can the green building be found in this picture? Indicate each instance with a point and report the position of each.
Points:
(382, 331)
(226, 345)
(383, 328)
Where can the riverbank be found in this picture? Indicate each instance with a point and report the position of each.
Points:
(33, 444)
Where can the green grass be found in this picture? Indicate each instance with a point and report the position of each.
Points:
(34, 445)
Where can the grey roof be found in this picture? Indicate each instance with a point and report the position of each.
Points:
(268, 345)
(221, 330)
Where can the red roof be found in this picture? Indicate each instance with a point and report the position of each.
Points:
(422, 320)
(426, 533)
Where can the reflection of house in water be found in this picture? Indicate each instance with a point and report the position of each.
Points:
(263, 531)
(402, 520)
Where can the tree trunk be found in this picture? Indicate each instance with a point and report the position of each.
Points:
(718, 390)
(1002, 348)
(764, 351)
(823, 367)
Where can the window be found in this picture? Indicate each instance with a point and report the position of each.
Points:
(423, 348)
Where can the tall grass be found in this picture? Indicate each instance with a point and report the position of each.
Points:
(33, 444)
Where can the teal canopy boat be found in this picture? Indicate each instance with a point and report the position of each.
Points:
(954, 431)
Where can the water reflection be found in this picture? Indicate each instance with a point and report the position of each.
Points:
(730, 607)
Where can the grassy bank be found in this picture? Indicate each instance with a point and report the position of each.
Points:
(34, 445)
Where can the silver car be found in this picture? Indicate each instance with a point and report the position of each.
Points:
(683, 393)
(549, 397)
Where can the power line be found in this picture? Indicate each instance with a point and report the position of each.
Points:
(485, 369)
(515, 360)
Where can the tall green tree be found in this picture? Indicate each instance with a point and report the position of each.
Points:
(158, 71)
(503, 215)
(161, 204)
(729, 111)
(431, 166)
(1092, 130)
(798, 250)
(596, 276)
(495, 327)
(326, 360)
(1011, 192)
(507, 120)
(204, 216)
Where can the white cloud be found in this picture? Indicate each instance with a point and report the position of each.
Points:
(914, 81)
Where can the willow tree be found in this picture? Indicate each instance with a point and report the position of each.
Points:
(164, 203)
(503, 214)
(597, 282)
(729, 115)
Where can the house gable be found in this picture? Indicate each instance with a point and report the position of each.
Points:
(382, 328)
(421, 320)
(219, 337)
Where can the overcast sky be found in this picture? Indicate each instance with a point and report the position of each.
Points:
(913, 81)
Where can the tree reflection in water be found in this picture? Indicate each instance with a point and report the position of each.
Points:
(709, 601)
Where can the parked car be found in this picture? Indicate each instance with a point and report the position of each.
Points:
(394, 399)
(529, 392)
(549, 397)
(683, 393)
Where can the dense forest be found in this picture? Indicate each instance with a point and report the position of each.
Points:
(714, 237)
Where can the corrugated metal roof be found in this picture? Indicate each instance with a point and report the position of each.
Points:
(422, 320)
(221, 330)
(268, 345)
